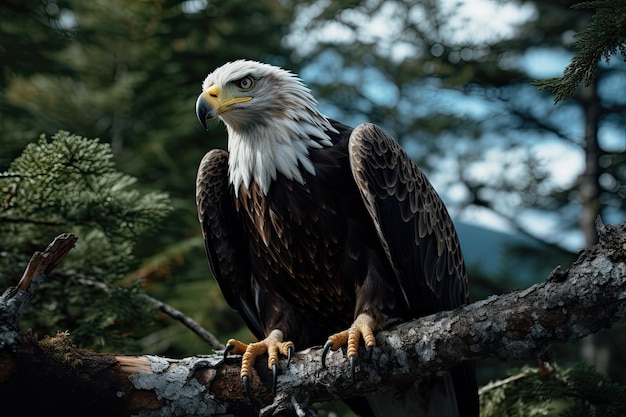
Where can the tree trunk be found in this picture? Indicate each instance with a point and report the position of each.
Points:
(590, 179)
(594, 351)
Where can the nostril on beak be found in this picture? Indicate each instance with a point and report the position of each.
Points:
(213, 91)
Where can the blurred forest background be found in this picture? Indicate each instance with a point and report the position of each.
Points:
(524, 178)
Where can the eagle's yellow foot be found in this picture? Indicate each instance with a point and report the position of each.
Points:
(273, 345)
(363, 327)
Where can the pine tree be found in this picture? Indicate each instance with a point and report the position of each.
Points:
(603, 38)
(70, 184)
(578, 391)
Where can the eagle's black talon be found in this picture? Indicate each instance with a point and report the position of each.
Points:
(289, 352)
(353, 367)
(327, 347)
(246, 386)
(369, 350)
(274, 377)
(227, 349)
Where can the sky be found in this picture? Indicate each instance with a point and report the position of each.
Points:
(478, 20)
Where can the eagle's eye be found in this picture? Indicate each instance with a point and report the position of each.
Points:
(245, 83)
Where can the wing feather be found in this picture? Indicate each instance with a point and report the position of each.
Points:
(222, 234)
(411, 220)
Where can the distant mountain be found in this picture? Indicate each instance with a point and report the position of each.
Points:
(490, 250)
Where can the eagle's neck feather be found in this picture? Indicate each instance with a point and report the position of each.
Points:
(261, 153)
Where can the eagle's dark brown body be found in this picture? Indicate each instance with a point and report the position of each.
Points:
(310, 245)
(307, 258)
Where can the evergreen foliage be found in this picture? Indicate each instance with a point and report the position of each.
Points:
(70, 184)
(578, 391)
(604, 37)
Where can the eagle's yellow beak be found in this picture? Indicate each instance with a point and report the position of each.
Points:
(213, 102)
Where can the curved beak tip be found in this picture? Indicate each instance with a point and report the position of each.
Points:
(203, 111)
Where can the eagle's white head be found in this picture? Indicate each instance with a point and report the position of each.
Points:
(271, 118)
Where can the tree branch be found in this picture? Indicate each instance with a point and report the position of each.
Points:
(167, 309)
(15, 300)
(569, 305)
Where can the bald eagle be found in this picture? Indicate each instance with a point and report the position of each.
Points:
(319, 233)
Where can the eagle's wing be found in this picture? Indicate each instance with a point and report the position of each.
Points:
(222, 234)
(412, 222)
